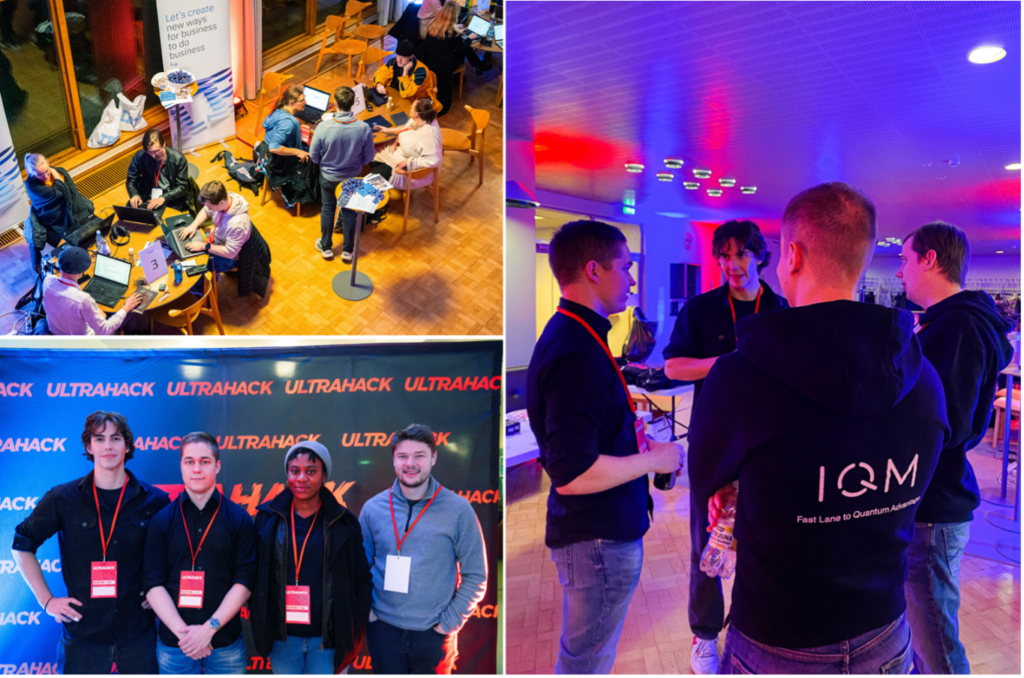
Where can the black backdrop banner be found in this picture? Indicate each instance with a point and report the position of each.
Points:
(258, 403)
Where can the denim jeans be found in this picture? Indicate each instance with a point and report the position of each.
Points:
(135, 656)
(933, 596)
(302, 656)
(706, 604)
(399, 651)
(222, 661)
(222, 264)
(598, 579)
(328, 207)
(884, 650)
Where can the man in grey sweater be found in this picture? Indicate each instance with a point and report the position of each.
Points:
(419, 537)
(340, 146)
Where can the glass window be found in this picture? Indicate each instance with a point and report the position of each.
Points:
(30, 82)
(282, 21)
(326, 8)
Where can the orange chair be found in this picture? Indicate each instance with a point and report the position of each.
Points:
(272, 82)
(1000, 408)
(349, 48)
(472, 143)
(407, 192)
(336, 25)
(371, 56)
(368, 32)
(185, 311)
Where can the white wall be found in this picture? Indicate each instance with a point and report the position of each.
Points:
(520, 257)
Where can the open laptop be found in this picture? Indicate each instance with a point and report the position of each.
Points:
(478, 26)
(499, 35)
(137, 215)
(177, 245)
(109, 280)
(317, 103)
(83, 234)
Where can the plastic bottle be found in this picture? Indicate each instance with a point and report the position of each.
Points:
(177, 273)
(719, 557)
(101, 244)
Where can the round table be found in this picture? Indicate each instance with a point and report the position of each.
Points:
(329, 82)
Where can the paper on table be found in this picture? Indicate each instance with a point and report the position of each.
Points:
(153, 262)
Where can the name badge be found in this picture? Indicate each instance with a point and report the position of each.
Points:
(156, 193)
(396, 574)
(104, 579)
(190, 593)
(296, 604)
(641, 437)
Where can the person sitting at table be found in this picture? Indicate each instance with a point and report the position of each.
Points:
(158, 177)
(404, 73)
(288, 157)
(444, 49)
(69, 310)
(231, 226)
(418, 145)
(428, 10)
(57, 208)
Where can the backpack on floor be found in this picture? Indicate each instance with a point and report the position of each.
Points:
(247, 173)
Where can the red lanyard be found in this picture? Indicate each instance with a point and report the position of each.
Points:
(757, 307)
(106, 540)
(394, 522)
(195, 553)
(156, 182)
(608, 352)
(295, 548)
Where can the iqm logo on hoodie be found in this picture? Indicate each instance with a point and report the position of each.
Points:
(847, 480)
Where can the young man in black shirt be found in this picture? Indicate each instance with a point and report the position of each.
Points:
(158, 177)
(200, 566)
(841, 428)
(102, 520)
(964, 337)
(313, 585)
(590, 445)
(706, 329)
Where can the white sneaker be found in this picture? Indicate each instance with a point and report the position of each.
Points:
(346, 257)
(327, 254)
(704, 657)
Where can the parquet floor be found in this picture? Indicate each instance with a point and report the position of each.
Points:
(437, 279)
(656, 637)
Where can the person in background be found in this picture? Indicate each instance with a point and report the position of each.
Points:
(832, 421)
(416, 146)
(230, 214)
(590, 445)
(309, 551)
(444, 49)
(69, 310)
(403, 73)
(428, 560)
(158, 177)
(963, 335)
(704, 330)
(199, 568)
(57, 207)
(428, 10)
(110, 622)
(341, 146)
(282, 130)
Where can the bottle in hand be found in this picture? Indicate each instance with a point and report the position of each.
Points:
(719, 557)
(665, 481)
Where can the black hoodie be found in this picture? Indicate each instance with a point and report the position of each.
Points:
(964, 337)
(833, 422)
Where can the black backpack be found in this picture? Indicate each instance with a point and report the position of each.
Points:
(248, 173)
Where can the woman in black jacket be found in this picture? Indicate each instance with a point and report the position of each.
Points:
(444, 49)
(311, 558)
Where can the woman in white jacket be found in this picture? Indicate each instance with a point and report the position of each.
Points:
(418, 145)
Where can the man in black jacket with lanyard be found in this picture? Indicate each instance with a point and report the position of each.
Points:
(705, 330)
(591, 446)
(158, 177)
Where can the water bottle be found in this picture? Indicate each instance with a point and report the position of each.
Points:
(177, 273)
(101, 244)
(664, 481)
(719, 557)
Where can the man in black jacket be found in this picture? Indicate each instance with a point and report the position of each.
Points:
(832, 421)
(158, 177)
(964, 337)
(313, 584)
(57, 206)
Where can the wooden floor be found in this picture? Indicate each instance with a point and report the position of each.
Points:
(438, 279)
(656, 637)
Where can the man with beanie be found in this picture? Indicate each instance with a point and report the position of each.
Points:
(404, 73)
(313, 584)
(69, 310)
(340, 146)
(420, 539)
(964, 337)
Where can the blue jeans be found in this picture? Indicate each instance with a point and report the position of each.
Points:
(135, 656)
(302, 656)
(884, 650)
(225, 660)
(933, 596)
(396, 651)
(328, 207)
(222, 264)
(706, 606)
(598, 579)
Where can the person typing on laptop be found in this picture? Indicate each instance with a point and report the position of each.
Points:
(69, 310)
(283, 133)
(231, 226)
(158, 177)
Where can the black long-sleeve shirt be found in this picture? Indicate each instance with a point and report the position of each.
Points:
(228, 557)
(172, 180)
(69, 511)
(579, 410)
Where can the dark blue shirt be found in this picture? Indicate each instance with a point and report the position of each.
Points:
(228, 557)
(69, 510)
(311, 574)
(579, 410)
(283, 130)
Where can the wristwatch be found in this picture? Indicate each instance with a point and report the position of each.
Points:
(214, 623)
(207, 247)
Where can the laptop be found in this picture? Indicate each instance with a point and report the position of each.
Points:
(137, 215)
(109, 280)
(88, 231)
(177, 245)
(478, 26)
(317, 103)
(499, 35)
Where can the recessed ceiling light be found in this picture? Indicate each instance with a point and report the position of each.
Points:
(748, 190)
(1013, 166)
(673, 163)
(672, 215)
(727, 182)
(664, 176)
(882, 243)
(999, 251)
(986, 55)
(890, 239)
(714, 192)
(634, 167)
(538, 217)
(702, 173)
(691, 185)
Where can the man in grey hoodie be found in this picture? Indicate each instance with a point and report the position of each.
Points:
(419, 539)
(340, 146)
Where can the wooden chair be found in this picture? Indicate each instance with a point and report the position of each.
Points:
(461, 72)
(1000, 408)
(407, 192)
(185, 311)
(371, 56)
(349, 48)
(336, 25)
(272, 82)
(266, 190)
(368, 32)
(472, 143)
(501, 89)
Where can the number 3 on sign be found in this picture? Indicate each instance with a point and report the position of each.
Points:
(153, 262)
